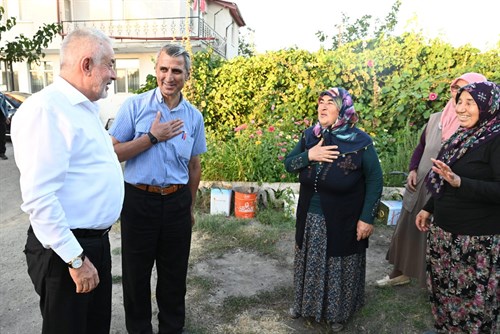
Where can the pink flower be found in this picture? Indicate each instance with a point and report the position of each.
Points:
(271, 128)
(369, 63)
(306, 122)
(272, 107)
(280, 157)
(432, 96)
(283, 176)
(258, 132)
(251, 136)
(241, 127)
(283, 150)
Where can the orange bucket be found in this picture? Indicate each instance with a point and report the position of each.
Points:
(244, 204)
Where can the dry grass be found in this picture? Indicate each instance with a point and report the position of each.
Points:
(401, 310)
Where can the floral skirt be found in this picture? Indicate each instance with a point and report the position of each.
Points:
(326, 288)
(464, 274)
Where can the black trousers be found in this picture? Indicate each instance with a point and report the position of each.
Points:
(155, 229)
(3, 129)
(63, 310)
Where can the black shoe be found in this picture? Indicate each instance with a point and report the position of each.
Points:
(3, 156)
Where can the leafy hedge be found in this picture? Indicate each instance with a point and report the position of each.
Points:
(390, 80)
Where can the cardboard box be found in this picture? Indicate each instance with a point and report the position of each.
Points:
(220, 201)
(389, 211)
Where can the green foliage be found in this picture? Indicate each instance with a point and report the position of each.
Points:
(360, 29)
(253, 151)
(246, 48)
(24, 48)
(390, 79)
(395, 155)
(9, 23)
(390, 83)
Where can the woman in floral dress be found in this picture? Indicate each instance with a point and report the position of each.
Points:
(340, 187)
(463, 253)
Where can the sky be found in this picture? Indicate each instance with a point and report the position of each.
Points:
(282, 24)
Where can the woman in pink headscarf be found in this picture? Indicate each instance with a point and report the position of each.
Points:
(407, 249)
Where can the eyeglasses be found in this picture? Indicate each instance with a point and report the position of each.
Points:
(455, 88)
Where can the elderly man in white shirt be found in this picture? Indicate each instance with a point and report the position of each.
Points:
(72, 188)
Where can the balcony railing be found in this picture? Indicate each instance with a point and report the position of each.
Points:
(157, 29)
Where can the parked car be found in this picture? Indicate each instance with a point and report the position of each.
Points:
(13, 100)
(109, 107)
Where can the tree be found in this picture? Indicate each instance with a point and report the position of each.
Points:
(360, 29)
(246, 48)
(24, 48)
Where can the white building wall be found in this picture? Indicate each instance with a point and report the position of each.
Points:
(32, 14)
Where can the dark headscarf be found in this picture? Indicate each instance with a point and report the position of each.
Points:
(343, 132)
(487, 97)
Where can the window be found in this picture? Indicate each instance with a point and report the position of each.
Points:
(41, 75)
(127, 75)
(67, 11)
(9, 78)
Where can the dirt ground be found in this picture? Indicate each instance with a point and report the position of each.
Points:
(236, 273)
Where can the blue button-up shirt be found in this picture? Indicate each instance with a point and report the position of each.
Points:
(166, 162)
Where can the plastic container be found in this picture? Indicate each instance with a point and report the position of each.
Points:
(245, 202)
(220, 201)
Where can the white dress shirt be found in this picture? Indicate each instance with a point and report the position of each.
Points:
(70, 175)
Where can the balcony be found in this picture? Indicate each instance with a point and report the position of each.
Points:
(157, 29)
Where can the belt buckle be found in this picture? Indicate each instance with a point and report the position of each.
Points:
(165, 191)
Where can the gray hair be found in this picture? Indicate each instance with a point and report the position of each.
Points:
(174, 50)
(89, 38)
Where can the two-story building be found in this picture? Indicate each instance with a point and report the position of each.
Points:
(139, 29)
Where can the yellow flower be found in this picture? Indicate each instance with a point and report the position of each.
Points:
(258, 142)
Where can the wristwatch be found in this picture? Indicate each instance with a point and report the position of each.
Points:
(77, 262)
(152, 138)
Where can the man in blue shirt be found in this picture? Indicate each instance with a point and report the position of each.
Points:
(4, 119)
(161, 136)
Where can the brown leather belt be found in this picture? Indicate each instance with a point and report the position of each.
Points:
(160, 190)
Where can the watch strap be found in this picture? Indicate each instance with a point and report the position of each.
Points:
(80, 257)
(152, 138)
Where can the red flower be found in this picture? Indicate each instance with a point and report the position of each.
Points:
(271, 128)
(432, 96)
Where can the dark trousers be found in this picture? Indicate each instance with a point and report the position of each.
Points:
(3, 128)
(63, 310)
(155, 228)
